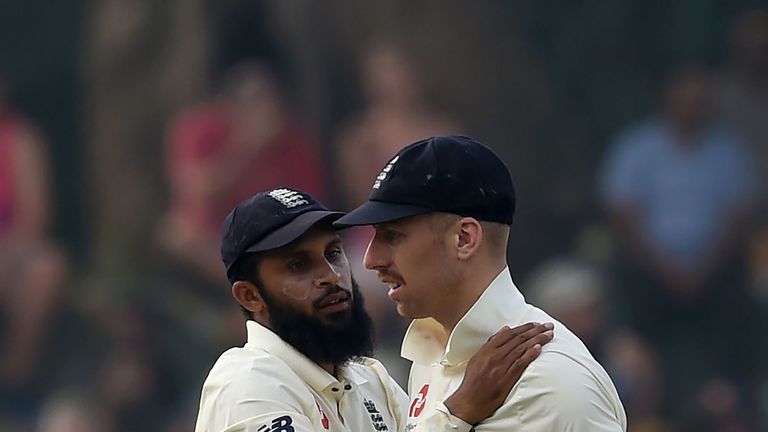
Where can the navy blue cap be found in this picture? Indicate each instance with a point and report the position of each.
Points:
(451, 174)
(269, 220)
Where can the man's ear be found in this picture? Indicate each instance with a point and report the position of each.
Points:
(249, 297)
(469, 238)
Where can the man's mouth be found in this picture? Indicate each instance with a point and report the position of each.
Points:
(335, 302)
(394, 284)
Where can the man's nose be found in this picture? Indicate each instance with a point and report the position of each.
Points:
(327, 275)
(375, 257)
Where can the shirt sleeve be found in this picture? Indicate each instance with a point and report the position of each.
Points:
(557, 394)
(255, 415)
(276, 421)
(274, 405)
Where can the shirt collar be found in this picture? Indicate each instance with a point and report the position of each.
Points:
(317, 378)
(501, 303)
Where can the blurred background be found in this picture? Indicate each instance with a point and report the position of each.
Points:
(636, 132)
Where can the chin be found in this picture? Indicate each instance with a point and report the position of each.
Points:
(405, 312)
(339, 319)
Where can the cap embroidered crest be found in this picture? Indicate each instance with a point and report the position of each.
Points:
(288, 198)
(383, 174)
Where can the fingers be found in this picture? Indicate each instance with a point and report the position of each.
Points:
(505, 333)
(515, 351)
(508, 340)
(518, 366)
(520, 356)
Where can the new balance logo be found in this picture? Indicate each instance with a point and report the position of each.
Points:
(280, 424)
(288, 198)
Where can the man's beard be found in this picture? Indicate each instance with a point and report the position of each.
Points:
(321, 342)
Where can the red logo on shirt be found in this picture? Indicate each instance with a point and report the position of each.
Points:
(417, 406)
(326, 422)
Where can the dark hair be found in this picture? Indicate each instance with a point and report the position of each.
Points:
(246, 268)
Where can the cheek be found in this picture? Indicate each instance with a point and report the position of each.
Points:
(344, 272)
(297, 287)
(420, 271)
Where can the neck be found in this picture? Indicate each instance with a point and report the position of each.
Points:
(328, 367)
(474, 284)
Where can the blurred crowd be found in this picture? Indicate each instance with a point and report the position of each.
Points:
(667, 286)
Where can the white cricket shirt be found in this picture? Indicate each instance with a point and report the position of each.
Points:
(564, 389)
(268, 386)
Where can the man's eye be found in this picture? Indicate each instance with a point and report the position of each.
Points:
(391, 236)
(297, 265)
(334, 255)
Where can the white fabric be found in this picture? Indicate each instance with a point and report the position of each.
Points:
(564, 389)
(268, 386)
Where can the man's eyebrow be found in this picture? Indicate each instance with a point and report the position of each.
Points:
(300, 251)
(335, 241)
(389, 226)
(293, 253)
(385, 225)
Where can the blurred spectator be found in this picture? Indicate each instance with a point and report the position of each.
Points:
(679, 189)
(575, 293)
(719, 406)
(221, 151)
(218, 153)
(744, 106)
(396, 114)
(72, 411)
(134, 382)
(32, 269)
(572, 292)
(744, 88)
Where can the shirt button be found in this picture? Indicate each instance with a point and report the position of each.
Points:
(334, 389)
(347, 387)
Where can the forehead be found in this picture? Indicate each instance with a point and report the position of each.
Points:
(319, 236)
(407, 223)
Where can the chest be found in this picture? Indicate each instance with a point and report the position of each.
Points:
(352, 410)
(431, 386)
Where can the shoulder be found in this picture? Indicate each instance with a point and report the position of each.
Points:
(242, 373)
(373, 370)
(249, 390)
(381, 385)
(568, 389)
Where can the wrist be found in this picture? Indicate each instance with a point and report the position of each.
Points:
(461, 409)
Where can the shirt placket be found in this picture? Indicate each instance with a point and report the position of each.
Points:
(440, 376)
(336, 392)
